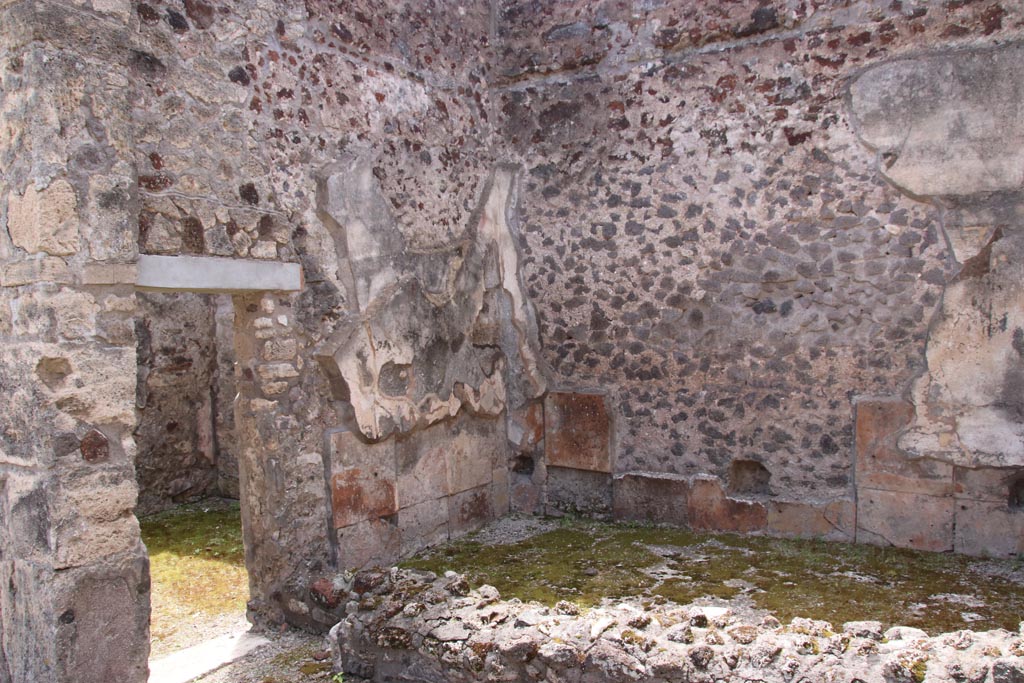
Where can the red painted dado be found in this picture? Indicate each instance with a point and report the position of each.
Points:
(357, 495)
(578, 431)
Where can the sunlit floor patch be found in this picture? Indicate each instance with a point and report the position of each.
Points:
(588, 562)
(197, 566)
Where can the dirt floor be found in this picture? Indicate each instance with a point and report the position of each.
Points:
(200, 584)
(200, 587)
(589, 563)
(197, 566)
(291, 657)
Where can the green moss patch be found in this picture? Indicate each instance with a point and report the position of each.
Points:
(197, 565)
(587, 562)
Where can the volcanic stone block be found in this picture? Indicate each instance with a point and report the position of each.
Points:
(833, 520)
(989, 484)
(46, 269)
(24, 507)
(44, 220)
(902, 501)
(423, 524)
(905, 520)
(84, 541)
(363, 478)
(578, 431)
(469, 510)
(471, 453)
(423, 465)
(526, 494)
(373, 542)
(583, 491)
(650, 497)
(500, 491)
(988, 528)
(103, 625)
(709, 509)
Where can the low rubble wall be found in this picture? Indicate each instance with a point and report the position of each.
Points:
(410, 626)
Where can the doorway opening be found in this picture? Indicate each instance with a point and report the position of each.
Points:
(187, 469)
(197, 567)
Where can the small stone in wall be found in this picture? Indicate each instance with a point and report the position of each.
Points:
(95, 447)
(264, 249)
(326, 593)
(201, 14)
(248, 193)
(43, 220)
(280, 349)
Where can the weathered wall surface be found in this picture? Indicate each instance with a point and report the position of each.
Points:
(733, 227)
(185, 396)
(180, 430)
(75, 598)
(711, 243)
(947, 127)
(224, 393)
(246, 111)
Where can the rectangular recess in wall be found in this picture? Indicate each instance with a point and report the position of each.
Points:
(216, 275)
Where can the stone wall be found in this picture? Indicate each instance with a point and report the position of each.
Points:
(732, 237)
(412, 626)
(185, 396)
(75, 602)
(753, 272)
(947, 126)
(256, 124)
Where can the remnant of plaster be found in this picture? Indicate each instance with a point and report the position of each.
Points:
(495, 229)
(950, 123)
(429, 326)
(970, 402)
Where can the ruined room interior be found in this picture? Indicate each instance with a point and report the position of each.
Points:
(387, 272)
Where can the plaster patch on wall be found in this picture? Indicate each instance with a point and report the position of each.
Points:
(451, 347)
(950, 123)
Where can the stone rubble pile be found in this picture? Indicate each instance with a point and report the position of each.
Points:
(414, 626)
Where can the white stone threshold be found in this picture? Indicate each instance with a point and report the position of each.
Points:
(192, 662)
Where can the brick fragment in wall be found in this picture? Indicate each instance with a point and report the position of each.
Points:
(95, 447)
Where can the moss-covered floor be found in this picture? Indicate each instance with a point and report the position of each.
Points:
(585, 562)
(197, 566)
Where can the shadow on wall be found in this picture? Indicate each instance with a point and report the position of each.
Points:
(185, 397)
